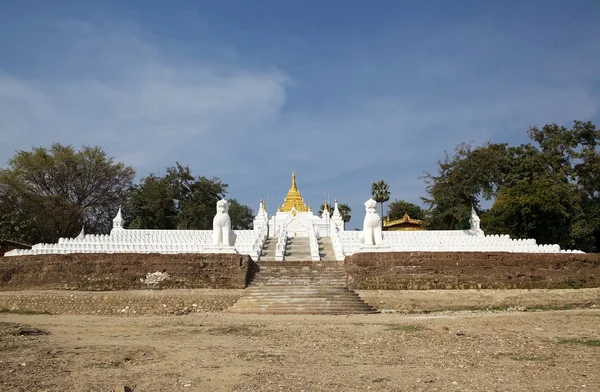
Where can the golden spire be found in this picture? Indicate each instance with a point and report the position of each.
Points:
(294, 187)
(293, 198)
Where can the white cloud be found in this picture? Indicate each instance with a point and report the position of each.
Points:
(114, 85)
(140, 106)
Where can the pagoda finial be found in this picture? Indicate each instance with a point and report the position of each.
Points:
(294, 187)
(293, 198)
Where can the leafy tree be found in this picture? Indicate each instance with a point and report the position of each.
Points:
(345, 211)
(241, 215)
(460, 181)
(198, 210)
(398, 208)
(381, 193)
(179, 200)
(152, 205)
(548, 189)
(48, 193)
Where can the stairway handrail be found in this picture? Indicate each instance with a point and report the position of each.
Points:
(259, 241)
(281, 243)
(314, 244)
(336, 242)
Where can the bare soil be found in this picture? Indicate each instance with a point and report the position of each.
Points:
(450, 351)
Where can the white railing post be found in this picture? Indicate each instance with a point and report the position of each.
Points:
(314, 244)
(336, 242)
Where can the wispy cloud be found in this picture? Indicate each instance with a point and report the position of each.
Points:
(343, 113)
(138, 104)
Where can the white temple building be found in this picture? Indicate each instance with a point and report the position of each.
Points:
(298, 219)
(293, 219)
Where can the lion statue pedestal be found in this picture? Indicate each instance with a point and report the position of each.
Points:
(223, 238)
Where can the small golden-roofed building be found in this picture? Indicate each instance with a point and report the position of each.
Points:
(294, 199)
(404, 224)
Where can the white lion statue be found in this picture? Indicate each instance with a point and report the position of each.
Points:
(222, 234)
(372, 224)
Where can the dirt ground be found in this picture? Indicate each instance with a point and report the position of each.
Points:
(461, 351)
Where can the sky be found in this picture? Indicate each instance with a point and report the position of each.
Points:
(345, 92)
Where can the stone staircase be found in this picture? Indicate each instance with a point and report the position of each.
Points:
(268, 251)
(300, 300)
(326, 249)
(300, 273)
(297, 249)
(300, 287)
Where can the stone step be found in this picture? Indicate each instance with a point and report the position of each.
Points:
(305, 263)
(299, 273)
(284, 301)
(268, 250)
(300, 290)
(297, 249)
(306, 311)
(301, 282)
(290, 296)
(301, 300)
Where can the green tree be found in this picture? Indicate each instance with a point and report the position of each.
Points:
(345, 211)
(152, 205)
(381, 193)
(198, 210)
(241, 215)
(398, 208)
(179, 200)
(461, 180)
(48, 193)
(548, 189)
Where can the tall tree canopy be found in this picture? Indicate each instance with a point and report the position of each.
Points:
(48, 193)
(548, 189)
(381, 193)
(241, 215)
(398, 208)
(178, 200)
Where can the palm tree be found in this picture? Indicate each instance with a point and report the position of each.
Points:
(381, 193)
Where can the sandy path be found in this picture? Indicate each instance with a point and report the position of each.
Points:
(462, 351)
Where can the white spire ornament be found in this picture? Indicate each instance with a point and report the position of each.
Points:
(118, 220)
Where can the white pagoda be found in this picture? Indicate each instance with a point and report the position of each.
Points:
(298, 219)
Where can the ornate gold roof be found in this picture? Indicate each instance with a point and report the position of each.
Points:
(406, 223)
(293, 198)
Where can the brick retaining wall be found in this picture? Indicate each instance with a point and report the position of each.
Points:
(125, 271)
(131, 302)
(476, 270)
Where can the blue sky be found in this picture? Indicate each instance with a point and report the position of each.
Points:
(344, 92)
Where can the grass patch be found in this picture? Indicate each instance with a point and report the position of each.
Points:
(505, 308)
(260, 356)
(584, 342)
(22, 311)
(14, 329)
(240, 330)
(572, 284)
(406, 327)
(529, 358)
(115, 363)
